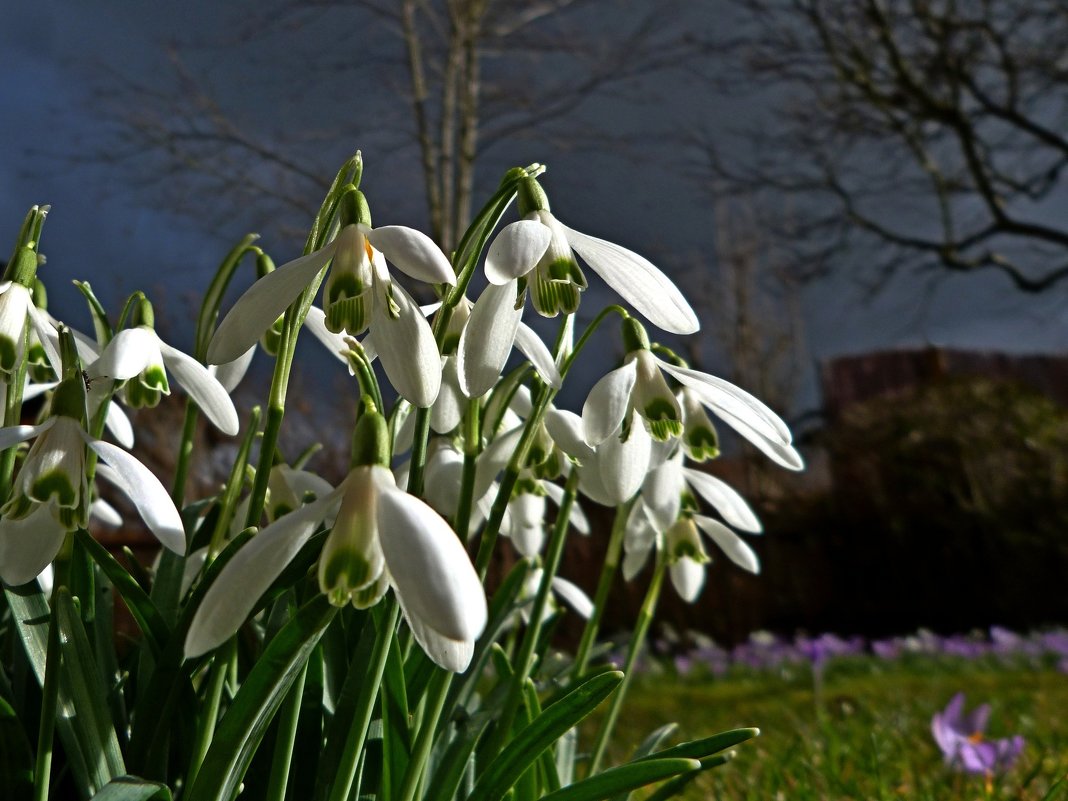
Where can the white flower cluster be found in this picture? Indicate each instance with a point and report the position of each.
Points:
(487, 447)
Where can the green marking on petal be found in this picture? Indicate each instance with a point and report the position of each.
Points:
(8, 354)
(351, 314)
(344, 572)
(54, 484)
(701, 444)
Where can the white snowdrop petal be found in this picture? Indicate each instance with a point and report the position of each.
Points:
(565, 427)
(730, 543)
(662, 493)
(143, 489)
(203, 388)
(129, 352)
(713, 390)
(624, 463)
(233, 373)
(688, 577)
(13, 435)
(724, 498)
(119, 425)
(494, 458)
(237, 588)
(447, 653)
(780, 453)
(574, 596)
(528, 540)
(516, 250)
(633, 562)
(607, 403)
(412, 252)
(28, 546)
(487, 339)
(637, 281)
(47, 335)
(448, 409)
(263, 303)
(103, 512)
(315, 322)
(531, 346)
(406, 347)
(429, 567)
(32, 391)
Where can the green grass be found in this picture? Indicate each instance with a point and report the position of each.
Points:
(869, 736)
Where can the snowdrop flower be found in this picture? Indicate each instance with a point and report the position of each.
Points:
(492, 329)
(16, 310)
(567, 591)
(524, 523)
(139, 357)
(639, 386)
(359, 294)
(51, 493)
(542, 250)
(380, 537)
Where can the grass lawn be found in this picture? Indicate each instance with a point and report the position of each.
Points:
(868, 737)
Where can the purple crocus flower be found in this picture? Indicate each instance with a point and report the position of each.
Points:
(961, 738)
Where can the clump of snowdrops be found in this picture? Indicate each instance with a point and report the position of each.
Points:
(340, 642)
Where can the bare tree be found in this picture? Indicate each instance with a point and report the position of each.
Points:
(907, 133)
(447, 80)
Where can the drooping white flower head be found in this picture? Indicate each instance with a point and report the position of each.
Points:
(139, 357)
(51, 494)
(542, 250)
(380, 537)
(359, 294)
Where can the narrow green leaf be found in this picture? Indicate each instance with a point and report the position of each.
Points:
(86, 704)
(647, 747)
(131, 788)
(521, 752)
(101, 326)
(624, 779)
(453, 763)
(84, 725)
(148, 618)
(16, 756)
(245, 722)
(674, 788)
(706, 747)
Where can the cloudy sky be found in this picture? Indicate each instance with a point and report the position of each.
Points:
(52, 57)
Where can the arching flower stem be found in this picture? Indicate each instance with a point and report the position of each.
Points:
(524, 661)
(637, 640)
(465, 260)
(612, 556)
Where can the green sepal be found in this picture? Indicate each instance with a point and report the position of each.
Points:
(634, 335)
(353, 208)
(370, 440)
(23, 268)
(531, 197)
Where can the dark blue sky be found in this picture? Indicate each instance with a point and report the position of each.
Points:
(101, 231)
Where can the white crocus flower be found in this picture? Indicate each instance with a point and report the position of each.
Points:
(139, 356)
(51, 493)
(359, 293)
(380, 535)
(543, 249)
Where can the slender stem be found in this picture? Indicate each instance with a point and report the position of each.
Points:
(436, 693)
(185, 453)
(472, 447)
(13, 416)
(637, 640)
(524, 662)
(361, 718)
(289, 716)
(220, 667)
(49, 700)
(604, 586)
